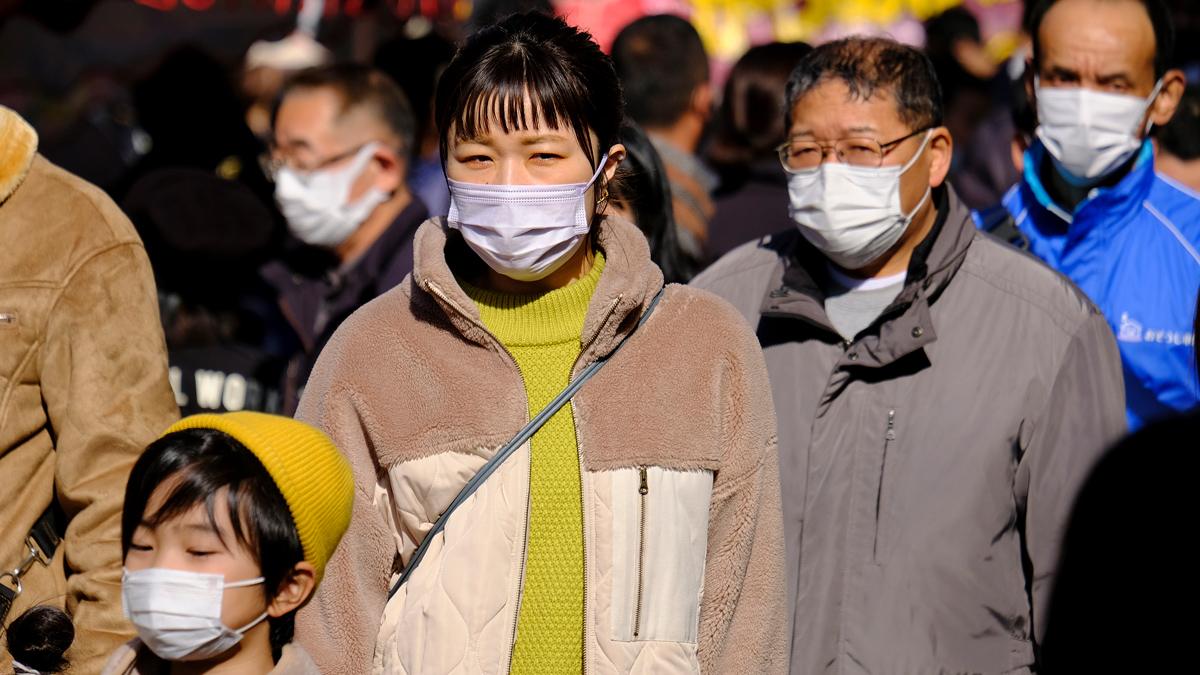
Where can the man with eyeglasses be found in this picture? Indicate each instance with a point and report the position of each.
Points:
(342, 136)
(940, 395)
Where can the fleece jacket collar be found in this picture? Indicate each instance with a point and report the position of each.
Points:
(628, 284)
(18, 145)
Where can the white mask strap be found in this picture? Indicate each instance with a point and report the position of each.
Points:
(603, 162)
(252, 624)
(247, 582)
(913, 159)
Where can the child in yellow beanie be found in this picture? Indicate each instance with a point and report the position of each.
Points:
(229, 521)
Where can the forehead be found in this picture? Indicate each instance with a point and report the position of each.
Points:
(827, 111)
(1087, 34)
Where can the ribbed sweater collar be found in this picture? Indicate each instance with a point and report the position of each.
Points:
(546, 318)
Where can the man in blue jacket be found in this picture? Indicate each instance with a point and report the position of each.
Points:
(1090, 203)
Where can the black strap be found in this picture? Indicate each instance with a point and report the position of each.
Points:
(46, 536)
(517, 441)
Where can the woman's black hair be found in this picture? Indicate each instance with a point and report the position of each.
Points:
(569, 82)
(641, 185)
(202, 462)
(40, 637)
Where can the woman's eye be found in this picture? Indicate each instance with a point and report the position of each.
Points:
(545, 157)
(140, 547)
(476, 160)
(199, 554)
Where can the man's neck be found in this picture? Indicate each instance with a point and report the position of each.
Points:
(1068, 195)
(373, 227)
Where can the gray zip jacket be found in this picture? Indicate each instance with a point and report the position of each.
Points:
(929, 466)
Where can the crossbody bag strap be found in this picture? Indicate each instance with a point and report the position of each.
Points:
(517, 441)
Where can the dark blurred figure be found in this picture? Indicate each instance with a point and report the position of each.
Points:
(415, 65)
(751, 201)
(341, 148)
(642, 194)
(1179, 142)
(191, 111)
(60, 16)
(206, 237)
(664, 72)
(1129, 523)
(976, 95)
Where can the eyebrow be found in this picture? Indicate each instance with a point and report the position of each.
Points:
(544, 138)
(852, 130)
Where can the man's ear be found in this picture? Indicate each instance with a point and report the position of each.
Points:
(392, 169)
(294, 590)
(941, 151)
(1164, 105)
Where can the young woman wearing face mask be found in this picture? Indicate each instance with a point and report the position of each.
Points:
(639, 524)
(228, 523)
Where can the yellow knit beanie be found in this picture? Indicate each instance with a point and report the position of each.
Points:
(313, 476)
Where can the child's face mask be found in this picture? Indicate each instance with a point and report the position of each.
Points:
(178, 613)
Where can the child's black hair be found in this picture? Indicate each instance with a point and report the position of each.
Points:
(40, 637)
(570, 83)
(203, 461)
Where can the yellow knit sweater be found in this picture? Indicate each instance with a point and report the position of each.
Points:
(542, 332)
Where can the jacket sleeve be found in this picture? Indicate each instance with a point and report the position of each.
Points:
(1082, 415)
(743, 624)
(339, 626)
(103, 373)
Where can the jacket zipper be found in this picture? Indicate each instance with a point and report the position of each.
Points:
(643, 492)
(512, 645)
(887, 444)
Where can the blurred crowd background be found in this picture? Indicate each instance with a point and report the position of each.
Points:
(167, 105)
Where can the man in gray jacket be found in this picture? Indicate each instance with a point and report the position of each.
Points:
(941, 396)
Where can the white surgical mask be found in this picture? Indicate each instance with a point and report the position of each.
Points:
(315, 203)
(178, 613)
(524, 232)
(852, 214)
(1090, 133)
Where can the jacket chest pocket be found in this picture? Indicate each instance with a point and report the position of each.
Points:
(660, 540)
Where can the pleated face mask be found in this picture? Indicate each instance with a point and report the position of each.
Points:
(1090, 133)
(852, 214)
(178, 613)
(525, 232)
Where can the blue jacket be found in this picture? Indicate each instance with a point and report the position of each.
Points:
(1132, 248)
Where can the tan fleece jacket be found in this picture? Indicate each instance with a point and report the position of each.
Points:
(83, 384)
(418, 393)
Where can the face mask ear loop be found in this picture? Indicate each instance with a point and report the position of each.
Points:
(910, 162)
(1149, 102)
(581, 222)
(242, 631)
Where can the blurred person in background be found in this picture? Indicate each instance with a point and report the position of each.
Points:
(194, 117)
(343, 136)
(642, 194)
(268, 64)
(978, 96)
(941, 396)
(415, 64)
(206, 238)
(751, 201)
(1178, 156)
(1090, 203)
(83, 388)
(664, 75)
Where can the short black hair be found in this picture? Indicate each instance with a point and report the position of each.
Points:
(570, 83)
(661, 61)
(748, 124)
(869, 65)
(203, 461)
(359, 86)
(1160, 21)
